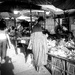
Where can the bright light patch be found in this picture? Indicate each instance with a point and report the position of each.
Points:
(48, 12)
(7, 18)
(16, 11)
(2, 36)
(23, 41)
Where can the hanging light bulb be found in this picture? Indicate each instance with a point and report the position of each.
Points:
(48, 12)
(15, 11)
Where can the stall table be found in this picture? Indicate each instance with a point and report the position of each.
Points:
(60, 65)
(23, 43)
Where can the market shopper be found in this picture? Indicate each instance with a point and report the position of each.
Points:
(4, 41)
(38, 44)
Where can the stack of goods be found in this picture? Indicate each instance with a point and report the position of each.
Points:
(62, 48)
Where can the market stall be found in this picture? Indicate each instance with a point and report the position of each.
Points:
(61, 66)
(61, 54)
(61, 57)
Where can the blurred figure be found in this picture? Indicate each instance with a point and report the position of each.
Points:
(38, 44)
(4, 41)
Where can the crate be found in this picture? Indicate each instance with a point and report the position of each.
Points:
(70, 69)
(61, 66)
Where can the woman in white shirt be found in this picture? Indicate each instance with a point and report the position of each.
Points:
(4, 41)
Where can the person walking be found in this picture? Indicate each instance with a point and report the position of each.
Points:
(4, 41)
(38, 44)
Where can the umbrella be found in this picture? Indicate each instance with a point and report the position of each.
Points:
(9, 6)
(9, 15)
(4, 15)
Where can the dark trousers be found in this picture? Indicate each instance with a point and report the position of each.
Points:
(3, 48)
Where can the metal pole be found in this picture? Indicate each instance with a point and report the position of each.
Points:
(54, 21)
(31, 18)
(15, 36)
(45, 19)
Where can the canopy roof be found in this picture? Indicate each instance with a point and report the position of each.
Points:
(8, 6)
(52, 9)
(63, 4)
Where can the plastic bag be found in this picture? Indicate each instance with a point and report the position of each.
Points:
(30, 45)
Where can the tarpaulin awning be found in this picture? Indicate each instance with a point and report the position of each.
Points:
(52, 9)
(62, 4)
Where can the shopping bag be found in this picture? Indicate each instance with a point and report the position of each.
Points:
(10, 51)
(30, 45)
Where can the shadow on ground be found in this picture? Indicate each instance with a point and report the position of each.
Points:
(24, 50)
(7, 67)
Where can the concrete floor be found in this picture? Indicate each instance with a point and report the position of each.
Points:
(16, 65)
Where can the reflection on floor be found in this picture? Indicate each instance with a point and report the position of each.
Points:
(18, 65)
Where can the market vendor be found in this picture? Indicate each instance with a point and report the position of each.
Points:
(62, 31)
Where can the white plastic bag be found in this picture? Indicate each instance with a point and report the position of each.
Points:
(10, 51)
(30, 45)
